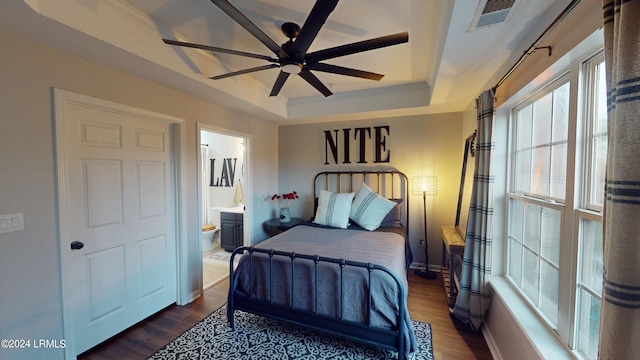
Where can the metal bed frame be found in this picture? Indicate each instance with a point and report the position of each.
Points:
(389, 338)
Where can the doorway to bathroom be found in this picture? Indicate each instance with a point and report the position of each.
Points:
(223, 182)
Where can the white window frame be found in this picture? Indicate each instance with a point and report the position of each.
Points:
(558, 82)
(587, 130)
(576, 205)
(556, 206)
(584, 208)
(567, 75)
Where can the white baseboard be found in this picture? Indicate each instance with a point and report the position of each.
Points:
(491, 343)
(194, 295)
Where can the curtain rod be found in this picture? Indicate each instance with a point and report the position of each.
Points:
(535, 44)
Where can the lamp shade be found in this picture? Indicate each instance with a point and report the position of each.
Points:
(424, 185)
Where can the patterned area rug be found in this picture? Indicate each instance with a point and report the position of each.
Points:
(257, 337)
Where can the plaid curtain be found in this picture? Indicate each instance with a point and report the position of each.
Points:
(620, 312)
(474, 293)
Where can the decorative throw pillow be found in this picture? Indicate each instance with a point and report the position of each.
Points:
(394, 218)
(369, 209)
(333, 209)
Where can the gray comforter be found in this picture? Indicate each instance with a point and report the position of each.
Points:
(381, 248)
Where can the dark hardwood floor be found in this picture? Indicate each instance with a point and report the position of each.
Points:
(426, 303)
(451, 339)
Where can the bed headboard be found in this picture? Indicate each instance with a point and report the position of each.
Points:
(391, 184)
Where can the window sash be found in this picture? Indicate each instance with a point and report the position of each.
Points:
(596, 132)
(540, 149)
(534, 250)
(588, 283)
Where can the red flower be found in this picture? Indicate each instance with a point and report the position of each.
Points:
(288, 197)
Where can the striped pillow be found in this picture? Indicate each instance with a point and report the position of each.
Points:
(333, 209)
(369, 209)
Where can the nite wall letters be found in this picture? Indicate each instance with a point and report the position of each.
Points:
(228, 173)
(335, 145)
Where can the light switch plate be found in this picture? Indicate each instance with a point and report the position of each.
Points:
(11, 222)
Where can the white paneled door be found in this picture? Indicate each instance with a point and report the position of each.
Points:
(118, 248)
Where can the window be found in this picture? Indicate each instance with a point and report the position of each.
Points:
(597, 111)
(541, 145)
(537, 198)
(589, 288)
(558, 150)
(589, 211)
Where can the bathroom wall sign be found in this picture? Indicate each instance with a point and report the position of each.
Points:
(227, 174)
(338, 146)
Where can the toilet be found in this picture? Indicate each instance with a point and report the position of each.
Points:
(208, 237)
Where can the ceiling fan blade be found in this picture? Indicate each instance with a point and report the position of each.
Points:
(282, 77)
(245, 71)
(357, 47)
(312, 25)
(315, 82)
(243, 21)
(219, 50)
(341, 70)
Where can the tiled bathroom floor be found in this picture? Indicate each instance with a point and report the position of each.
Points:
(212, 273)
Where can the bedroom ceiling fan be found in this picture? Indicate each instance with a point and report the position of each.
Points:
(292, 56)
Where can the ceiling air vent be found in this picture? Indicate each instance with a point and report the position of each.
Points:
(491, 12)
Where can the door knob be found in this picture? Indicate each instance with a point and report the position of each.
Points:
(77, 245)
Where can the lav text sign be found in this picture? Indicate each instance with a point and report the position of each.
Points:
(227, 173)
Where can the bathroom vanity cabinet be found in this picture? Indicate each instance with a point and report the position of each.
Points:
(231, 230)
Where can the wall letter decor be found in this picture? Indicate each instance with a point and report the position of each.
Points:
(328, 140)
(381, 144)
(227, 175)
(361, 135)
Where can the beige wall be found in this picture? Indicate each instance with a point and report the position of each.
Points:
(419, 145)
(29, 260)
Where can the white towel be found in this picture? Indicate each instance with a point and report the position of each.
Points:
(239, 196)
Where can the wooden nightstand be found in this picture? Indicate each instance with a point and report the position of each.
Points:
(275, 226)
(452, 252)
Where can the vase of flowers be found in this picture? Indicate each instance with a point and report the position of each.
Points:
(285, 214)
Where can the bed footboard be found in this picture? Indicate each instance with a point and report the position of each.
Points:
(390, 338)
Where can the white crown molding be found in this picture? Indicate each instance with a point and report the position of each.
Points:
(118, 35)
